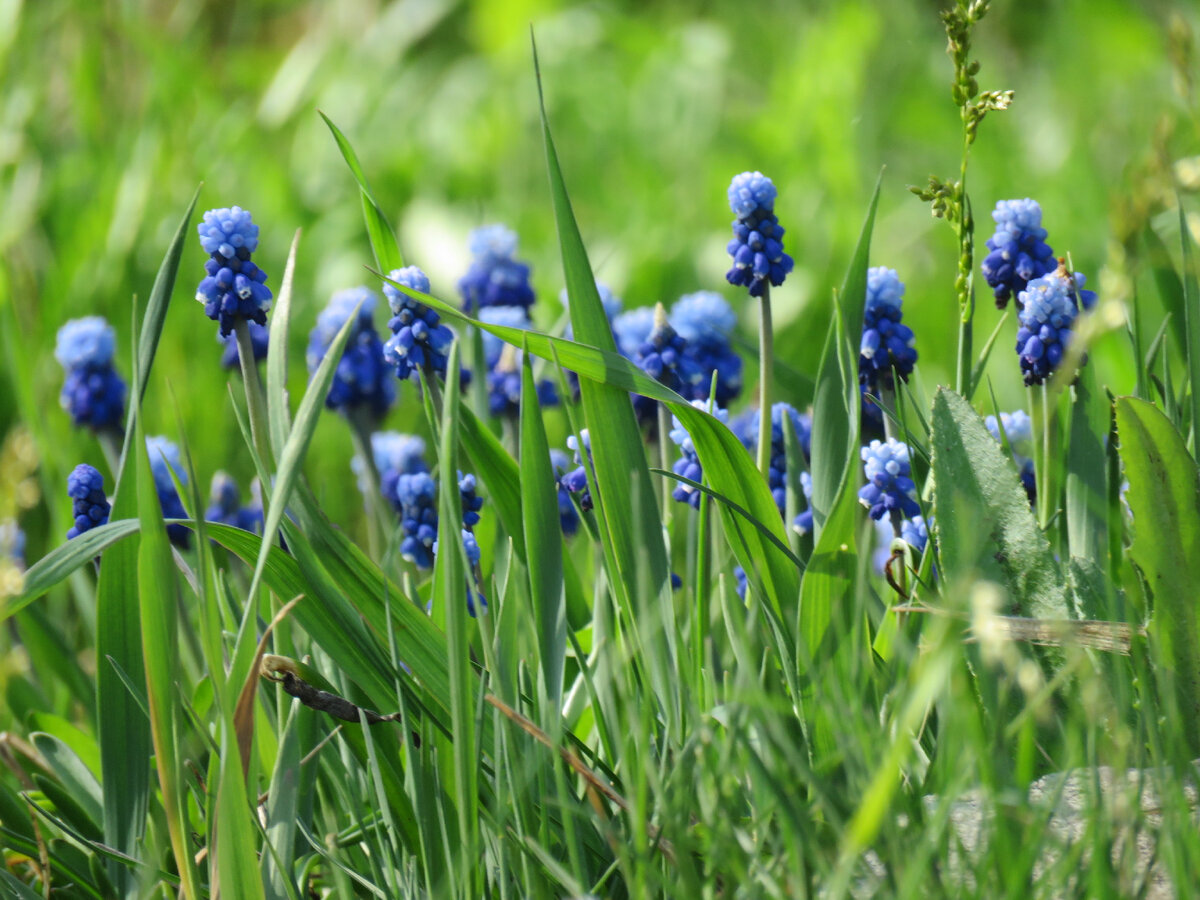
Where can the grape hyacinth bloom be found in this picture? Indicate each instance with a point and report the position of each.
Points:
(471, 547)
(887, 343)
(494, 278)
(471, 502)
(631, 329)
(1048, 310)
(913, 532)
(93, 393)
(688, 464)
(568, 517)
(889, 489)
(362, 380)
(234, 288)
(90, 508)
(706, 321)
(1019, 252)
(419, 341)
(803, 523)
(576, 481)
(416, 495)
(165, 459)
(757, 245)
(225, 505)
(504, 385)
(664, 357)
(395, 455)
(1018, 428)
(259, 339)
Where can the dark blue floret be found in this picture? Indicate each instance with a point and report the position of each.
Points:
(887, 343)
(471, 546)
(706, 322)
(1018, 429)
(757, 245)
(165, 459)
(93, 393)
(663, 356)
(471, 502)
(419, 341)
(363, 381)
(259, 339)
(889, 484)
(568, 517)
(745, 428)
(417, 498)
(235, 288)
(225, 505)
(494, 277)
(1019, 252)
(576, 481)
(395, 455)
(688, 464)
(90, 508)
(1048, 311)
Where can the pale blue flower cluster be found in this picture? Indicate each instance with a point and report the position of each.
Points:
(93, 393)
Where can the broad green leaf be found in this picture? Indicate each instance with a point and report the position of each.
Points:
(543, 537)
(1164, 495)
(1087, 487)
(383, 239)
(984, 526)
(64, 559)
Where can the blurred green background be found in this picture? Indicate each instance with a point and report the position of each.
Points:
(112, 113)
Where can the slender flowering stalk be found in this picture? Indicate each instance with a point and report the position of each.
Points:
(259, 340)
(758, 263)
(93, 393)
(90, 508)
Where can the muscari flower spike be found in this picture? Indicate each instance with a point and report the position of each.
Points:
(887, 343)
(165, 459)
(89, 508)
(225, 505)
(1019, 252)
(757, 245)
(1018, 428)
(93, 393)
(471, 547)
(504, 369)
(568, 517)
(889, 484)
(631, 329)
(494, 278)
(419, 340)
(688, 464)
(1049, 307)
(576, 481)
(234, 288)
(612, 308)
(471, 501)
(395, 455)
(259, 339)
(416, 498)
(363, 381)
(706, 321)
(663, 356)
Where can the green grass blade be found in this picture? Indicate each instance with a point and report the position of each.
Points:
(543, 537)
(1087, 486)
(1191, 310)
(383, 239)
(984, 525)
(63, 560)
(1164, 494)
(278, 411)
(1170, 286)
(450, 585)
(156, 593)
(236, 853)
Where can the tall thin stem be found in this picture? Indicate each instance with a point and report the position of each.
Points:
(256, 400)
(766, 357)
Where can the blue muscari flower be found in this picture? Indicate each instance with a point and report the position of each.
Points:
(568, 517)
(419, 340)
(259, 338)
(417, 498)
(576, 481)
(225, 505)
(745, 428)
(12, 543)
(85, 486)
(252, 513)
(757, 245)
(93, 392)
(504, 364)
(913, 532)
(395, 455)
(494, 278)
(631, 329)
(740, 574)
(889, 484)
(887, 343)
(1018, 428)
(1019, 252)
(471, 546)
(471, 502)
(688, 464)
(362, 380)
(706, 321)
(872, 415)
(234, 287)
(1047, 313)
(663, 356)
(508, 316)
(165, 458)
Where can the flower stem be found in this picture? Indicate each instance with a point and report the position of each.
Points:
(766, 356)
(256, 401)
